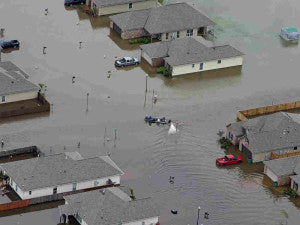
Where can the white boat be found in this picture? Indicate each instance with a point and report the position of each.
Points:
(173, 129)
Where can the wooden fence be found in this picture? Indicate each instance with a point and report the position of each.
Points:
(274, 156)
(243, 115)
(14, 205)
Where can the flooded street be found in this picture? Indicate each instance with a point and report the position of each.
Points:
(202, 103)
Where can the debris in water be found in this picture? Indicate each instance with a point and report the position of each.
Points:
(206, 214)
(44, 50)
(174, 211)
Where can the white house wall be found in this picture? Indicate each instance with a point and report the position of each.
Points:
(125, 7)
(271, 175)
(19, 96)
(149, 221)
(66, 187)
(147, 57)
(182, 34)
(209, 65)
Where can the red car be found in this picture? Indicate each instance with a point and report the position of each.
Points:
(228, 160)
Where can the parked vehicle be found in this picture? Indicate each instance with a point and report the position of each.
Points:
(127, 61)
(228, 160)
(5, 44)
(74, 2)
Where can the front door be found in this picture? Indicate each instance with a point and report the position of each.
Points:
(295, 186)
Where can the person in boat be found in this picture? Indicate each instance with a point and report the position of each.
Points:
(163, 119)
(146, 117)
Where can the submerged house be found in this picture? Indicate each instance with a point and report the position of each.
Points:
(106, 7)
(14, 85)
(188, 55)
(107, 207)
(60, 174)
(284, 171)
(267, 137)
(164, 23)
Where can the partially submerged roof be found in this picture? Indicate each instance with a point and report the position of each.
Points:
(166, 18)
(13, 80)
(284, 166)
(131, 20)
(108, 207)
(188, 50)
(270, 132)
(56, 170)
(116, 2)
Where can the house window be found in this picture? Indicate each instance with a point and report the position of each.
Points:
(11, 182)
(3, 98)
(193, 65)
(167, 36)
(143, 223)
(295, 148)
(74, 187)
(96, 183)
(130, 5)
(55, 190)
(189, 32)
(30, 192)
(16, 188)
(178, 34)
(201, 66)
(219, 61)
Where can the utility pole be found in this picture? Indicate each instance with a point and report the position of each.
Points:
(87, 101)
(146, 83)
(198, 215)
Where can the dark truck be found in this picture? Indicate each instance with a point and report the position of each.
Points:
(5, 44)
(74, 2)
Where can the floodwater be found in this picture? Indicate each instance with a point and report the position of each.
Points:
(202, 103)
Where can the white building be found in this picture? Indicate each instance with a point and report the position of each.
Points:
(106, 7)
(188, 55)
(14, 86)
(60, 173)
(110, 206)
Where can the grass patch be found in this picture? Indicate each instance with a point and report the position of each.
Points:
(290, 192)
(225, 143)
(162, 70)
(144, 40)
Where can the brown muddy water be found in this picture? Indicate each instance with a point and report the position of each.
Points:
(203, 103)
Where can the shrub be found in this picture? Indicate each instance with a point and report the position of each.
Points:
(290, 192)
(41, 85)
(143, 40)
(131, 194)
(162, 70)
(225, 143)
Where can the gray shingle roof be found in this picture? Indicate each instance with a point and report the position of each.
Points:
(271, 132)
(166, 18)
(188, 50)
(57, 169)
(96, 208)
(12, 80)
(284, 166)
(116, 2)
(296, 178)
(131, 20)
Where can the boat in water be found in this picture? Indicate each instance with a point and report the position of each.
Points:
(162, 120)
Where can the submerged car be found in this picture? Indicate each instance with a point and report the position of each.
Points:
(289, 34)
(4, 44)
(127, 61)
(228, 160)
(74, 2)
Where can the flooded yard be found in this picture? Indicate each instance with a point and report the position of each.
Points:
(202, 103)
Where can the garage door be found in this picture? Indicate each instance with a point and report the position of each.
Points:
(117, 29)
(271, 175)
(246, 151)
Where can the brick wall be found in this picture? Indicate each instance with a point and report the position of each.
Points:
(131, 34)
(156, 62)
